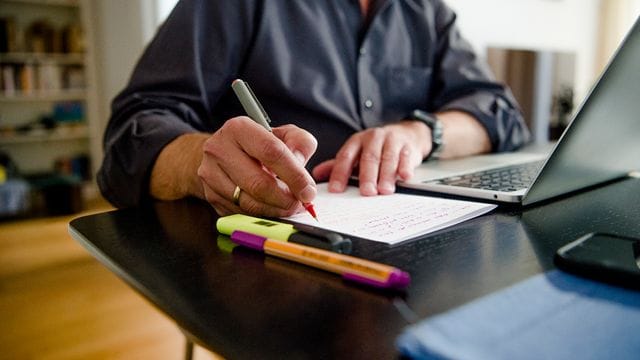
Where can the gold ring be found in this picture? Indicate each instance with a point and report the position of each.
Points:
(236, 196)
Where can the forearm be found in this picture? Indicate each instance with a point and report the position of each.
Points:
(463, 135)
(174, 174)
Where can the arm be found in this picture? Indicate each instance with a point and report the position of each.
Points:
(384, 155)
(172, 93)
(463, 82)
(174, 173)
(463, 135)
(478, 115)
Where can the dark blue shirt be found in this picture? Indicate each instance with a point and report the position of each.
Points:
(318, 64)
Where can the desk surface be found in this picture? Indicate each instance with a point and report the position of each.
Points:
(242, 304)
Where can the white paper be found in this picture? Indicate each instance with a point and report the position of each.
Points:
(387, 218)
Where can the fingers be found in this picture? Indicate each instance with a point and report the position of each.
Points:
(365, 150)
(220, 196)
(389, 161)
(243, 154)
(322, 171)
(407, 163)
(371, 157)
(346, 160)
(382, 155)
(218, 187)
(283, 162)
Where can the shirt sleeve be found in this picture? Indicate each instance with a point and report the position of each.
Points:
(170, 91)
(463, 82)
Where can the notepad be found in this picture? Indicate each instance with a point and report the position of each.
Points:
(387, 218)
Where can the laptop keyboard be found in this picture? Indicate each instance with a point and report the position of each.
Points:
(509, 178)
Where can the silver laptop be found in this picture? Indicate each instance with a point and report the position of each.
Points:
(601, 144)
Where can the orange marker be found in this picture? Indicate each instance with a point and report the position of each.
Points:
(351, 268)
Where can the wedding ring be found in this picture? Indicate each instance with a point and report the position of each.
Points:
(236, 196)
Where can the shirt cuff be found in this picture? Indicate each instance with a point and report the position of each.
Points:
(129, 157)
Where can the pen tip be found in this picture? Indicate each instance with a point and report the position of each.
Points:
(311, 210)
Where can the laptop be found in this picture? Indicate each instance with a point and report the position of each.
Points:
(601, 144)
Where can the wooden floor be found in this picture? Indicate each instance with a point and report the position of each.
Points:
(57, 302)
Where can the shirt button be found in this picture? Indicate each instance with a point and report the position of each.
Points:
(368, 103)
(363, 51)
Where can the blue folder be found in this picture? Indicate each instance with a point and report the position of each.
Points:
(549, 316)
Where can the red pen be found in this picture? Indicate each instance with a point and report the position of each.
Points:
(311, 210)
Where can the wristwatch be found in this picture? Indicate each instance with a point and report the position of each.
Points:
(437, 144)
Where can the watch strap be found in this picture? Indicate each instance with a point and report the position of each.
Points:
(437, 143)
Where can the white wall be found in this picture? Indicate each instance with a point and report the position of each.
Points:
(555, 25)
(122, 29)
(164, 8)
(617, 17)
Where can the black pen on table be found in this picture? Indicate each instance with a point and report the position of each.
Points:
(257, 113)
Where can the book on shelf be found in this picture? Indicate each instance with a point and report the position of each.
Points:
(49, 77)
(27, 79)
(8, 80)
(45, 77)
(7, 35)
(73, 77)
(73, 39)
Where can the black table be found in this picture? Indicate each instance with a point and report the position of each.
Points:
(243, 304)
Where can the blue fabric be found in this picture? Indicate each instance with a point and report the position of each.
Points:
(550, 316)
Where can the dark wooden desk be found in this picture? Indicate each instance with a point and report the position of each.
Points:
(242, 304)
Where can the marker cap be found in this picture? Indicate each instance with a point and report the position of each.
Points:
(248, 240)
(397, 279)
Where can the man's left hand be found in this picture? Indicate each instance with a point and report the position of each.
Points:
(382, 155)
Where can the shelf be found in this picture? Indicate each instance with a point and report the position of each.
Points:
(63, 95)
(43, 58)
(61, 133)
(68, 3)
(43, 79)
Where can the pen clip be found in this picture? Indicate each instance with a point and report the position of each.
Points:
(255, 98)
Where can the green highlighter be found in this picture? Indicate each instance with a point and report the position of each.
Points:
(300, 234)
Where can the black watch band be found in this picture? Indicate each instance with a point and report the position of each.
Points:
(437, 144)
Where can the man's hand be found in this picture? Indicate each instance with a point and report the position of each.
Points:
(382, 155)
(268, 169)
(385, 154)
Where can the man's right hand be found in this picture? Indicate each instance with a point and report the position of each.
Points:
(267, 167)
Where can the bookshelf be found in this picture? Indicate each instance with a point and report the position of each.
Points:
(48, 123)
(47, 87)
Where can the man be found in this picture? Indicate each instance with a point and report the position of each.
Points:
(340, 80)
